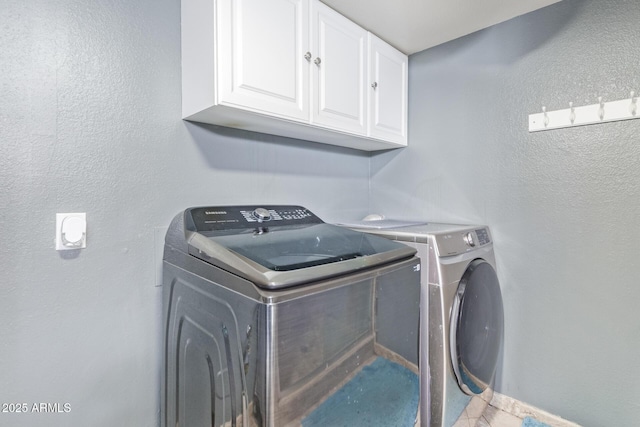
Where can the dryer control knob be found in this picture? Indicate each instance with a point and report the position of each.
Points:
(468, 238)
(261, 214)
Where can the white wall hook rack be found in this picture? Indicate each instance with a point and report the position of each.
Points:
(601, 112)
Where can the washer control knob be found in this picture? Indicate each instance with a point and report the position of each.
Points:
(468, 238)
(261, 214)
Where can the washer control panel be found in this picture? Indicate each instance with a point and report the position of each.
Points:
(218, 218)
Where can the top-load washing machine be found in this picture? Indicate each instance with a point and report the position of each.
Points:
(274, 318)
(463, 338)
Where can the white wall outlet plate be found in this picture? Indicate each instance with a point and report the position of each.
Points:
(71, 231)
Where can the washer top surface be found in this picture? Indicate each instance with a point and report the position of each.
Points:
(279, 246)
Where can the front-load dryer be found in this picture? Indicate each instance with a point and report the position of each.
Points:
(462, 339)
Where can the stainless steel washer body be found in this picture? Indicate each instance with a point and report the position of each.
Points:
(462, 339)
(269, 314)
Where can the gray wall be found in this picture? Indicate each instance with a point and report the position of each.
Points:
(90, 122)
(563, 205)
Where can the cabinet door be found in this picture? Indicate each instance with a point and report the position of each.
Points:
(261, 48)
(339, 62)
(388, 92)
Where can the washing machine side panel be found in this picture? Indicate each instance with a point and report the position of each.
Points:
(397, 314)
(209, 340)
(202, 385)
(425, 364)
(437, 355)
(197, 311)
(315, 342)
(425, 370)
(322, 340)
(425, 254)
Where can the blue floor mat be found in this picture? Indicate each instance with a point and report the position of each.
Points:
(382, 394)
(532, 422)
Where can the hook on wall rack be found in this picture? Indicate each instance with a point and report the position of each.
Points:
(602, 112)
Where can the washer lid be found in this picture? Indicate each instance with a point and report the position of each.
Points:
(278, 246)
(476, 327)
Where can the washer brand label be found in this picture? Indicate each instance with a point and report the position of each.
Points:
(215, 212)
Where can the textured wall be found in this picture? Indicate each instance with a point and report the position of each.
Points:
(563, 205)
(90, 122)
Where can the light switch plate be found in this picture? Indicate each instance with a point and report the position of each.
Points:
(71, 231)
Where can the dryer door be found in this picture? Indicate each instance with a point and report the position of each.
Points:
(476, 327)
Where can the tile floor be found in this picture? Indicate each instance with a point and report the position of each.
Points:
(502, 411)
(479, 413)
(494, 417)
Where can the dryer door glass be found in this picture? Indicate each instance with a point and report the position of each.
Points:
(476, 327)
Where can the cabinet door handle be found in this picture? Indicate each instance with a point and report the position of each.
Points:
(317, 61)
(307, 56)
(374, 85)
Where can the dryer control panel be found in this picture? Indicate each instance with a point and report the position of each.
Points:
(461, 241)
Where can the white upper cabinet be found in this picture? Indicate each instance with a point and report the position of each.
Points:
(339, 71)
(388, 103)
(294, 68)
(262, 43)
